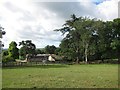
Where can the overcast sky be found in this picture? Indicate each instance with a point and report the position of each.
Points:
(35, 20)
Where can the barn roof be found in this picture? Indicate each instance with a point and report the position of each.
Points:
(43, 55)
(56, 57)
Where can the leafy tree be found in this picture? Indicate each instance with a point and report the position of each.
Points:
(5, 53)
(80, 32)
(104, 35)
(27, 48)
(90, 39)
(22, 53)
(38, 51)
(13, 50)
(58, 51)
(50, 49)
(70, 45)
(7, 59)
(115, 43)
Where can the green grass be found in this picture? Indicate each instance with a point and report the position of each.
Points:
(61, 76)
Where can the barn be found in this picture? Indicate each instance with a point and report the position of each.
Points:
(41, 58)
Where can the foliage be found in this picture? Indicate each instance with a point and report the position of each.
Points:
(27, 48)
(13, 50)
(90, 39)
(57, 51)
(40, 51)
(115, 44)
(50, 49)
(2, 32)
(11, 54)
(7, 59)
(5, 53)
(77, 42)
(22, 53)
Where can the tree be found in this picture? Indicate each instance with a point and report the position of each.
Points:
(2, 32)
(50, 49)
(58, 51)
(5, 53)
(80, 32)
(22, 53)
(90, 39)
(13, 50)
(70, 45)
(38, 51)
(27, 48)
(115, 43)
(1, 45)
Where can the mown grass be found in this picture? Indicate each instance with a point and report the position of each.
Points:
(61, 76)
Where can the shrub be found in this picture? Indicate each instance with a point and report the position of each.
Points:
(7, 59)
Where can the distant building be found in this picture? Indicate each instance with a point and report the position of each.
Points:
(41, 58)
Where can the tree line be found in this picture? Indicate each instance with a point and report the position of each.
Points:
(90, 39)
(27, 47)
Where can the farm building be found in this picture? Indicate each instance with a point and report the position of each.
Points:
(44, 58)
(41, 58)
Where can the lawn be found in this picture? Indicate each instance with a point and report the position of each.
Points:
(61, 76)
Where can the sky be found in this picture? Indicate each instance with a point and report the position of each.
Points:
(36, 20)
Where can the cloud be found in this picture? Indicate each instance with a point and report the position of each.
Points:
(109, 8)
(22, 24)
(34, 20)
(65, 9)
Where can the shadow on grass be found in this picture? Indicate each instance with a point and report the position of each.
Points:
(37, 66)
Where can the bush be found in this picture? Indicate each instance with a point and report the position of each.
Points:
(7, 59)
(112, 61)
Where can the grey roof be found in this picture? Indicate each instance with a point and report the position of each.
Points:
(43, 55)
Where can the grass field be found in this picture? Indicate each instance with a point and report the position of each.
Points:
(61, 76)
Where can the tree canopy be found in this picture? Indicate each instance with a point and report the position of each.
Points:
(50, 49)
(27, 48)
(89, 38)
(13, 50)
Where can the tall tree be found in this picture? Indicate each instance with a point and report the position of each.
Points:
(13, 50)
(115, 44)
(80, 32)
(27, 48)
(86, 38)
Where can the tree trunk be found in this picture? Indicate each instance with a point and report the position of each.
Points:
(119, 60)
(86, 53)
(77, 58)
